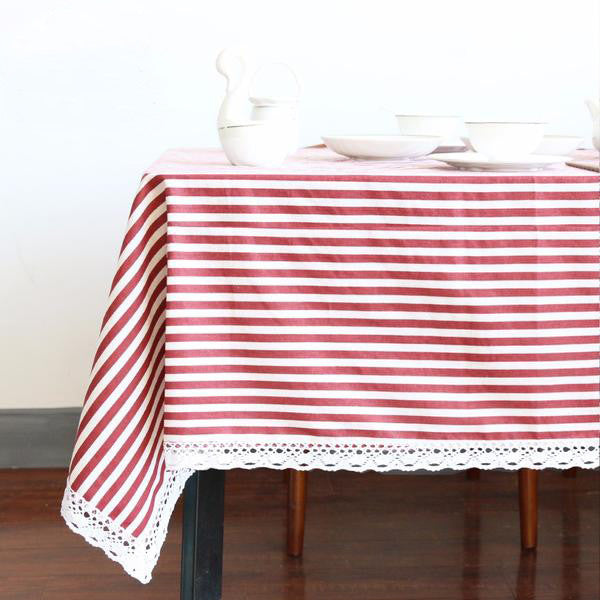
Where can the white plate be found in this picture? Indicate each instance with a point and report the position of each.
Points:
(382, 146)
(559, 144)
(471, 161)
(555, 145)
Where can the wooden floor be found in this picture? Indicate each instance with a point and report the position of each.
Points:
(369, 537)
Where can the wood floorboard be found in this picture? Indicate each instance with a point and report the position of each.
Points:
(369, 536)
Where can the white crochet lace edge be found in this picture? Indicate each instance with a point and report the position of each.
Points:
(365, 455)
(137, 556)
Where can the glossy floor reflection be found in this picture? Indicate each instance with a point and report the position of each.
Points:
(369, 537)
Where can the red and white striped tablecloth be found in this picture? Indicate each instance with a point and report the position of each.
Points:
(336, 314)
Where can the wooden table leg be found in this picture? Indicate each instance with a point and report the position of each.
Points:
(296, 512)
(202, 540)
(572, 472)
(528, 507)
(473, 474)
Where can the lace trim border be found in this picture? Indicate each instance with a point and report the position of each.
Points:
(137, 555)
(361, 456)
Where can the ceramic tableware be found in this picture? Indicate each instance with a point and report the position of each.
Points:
(472, 161)
(382, 146)
(505, 139)
(555, 145)
(258, 144)
(559, 145)
(282, 110)
(445, 127)
(594, 108)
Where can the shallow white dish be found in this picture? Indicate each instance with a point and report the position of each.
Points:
(444, 126)
(555, 145)
(505, 139)
(471, 161)
(559, 144)
(374, 147)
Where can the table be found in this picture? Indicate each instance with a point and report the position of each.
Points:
(334, 314)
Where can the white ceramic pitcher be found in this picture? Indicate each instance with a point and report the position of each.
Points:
(263, 138)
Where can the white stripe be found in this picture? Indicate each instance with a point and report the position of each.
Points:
(171, 412)
(463, 186)
(384, 282)
(538, 348)
(451, 332)
(308, 249)
(242, 375)
(315, 234)
(380, 315)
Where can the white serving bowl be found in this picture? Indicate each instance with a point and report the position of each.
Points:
(559, 144)
(553, 145)
(382, 146)
(255, 144)
(442, 126)
(505, 139)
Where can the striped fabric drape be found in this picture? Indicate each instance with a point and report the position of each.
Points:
(341, 315)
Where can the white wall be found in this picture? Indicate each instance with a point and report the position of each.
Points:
(92, 91)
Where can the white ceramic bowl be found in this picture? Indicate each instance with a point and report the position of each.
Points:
(382, 146)
(505, 139)
(442, 126)
(282, 110)
(255, 144)
(559, 144)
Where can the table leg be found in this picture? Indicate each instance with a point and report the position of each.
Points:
(473, 474)
(296, 512)
(202, 540)
(528, 505)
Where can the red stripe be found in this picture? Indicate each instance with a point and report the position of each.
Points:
(158, 488)
(384, 371)
(120, 324)
(389, 355)
(383, 211)
(150, 412)
(156, 248)
(370, 290)
(139, 249)
(383, 258)
(255, 192)
(115, 405)
(348, 322)
(234, 240)
(124, 370)
(410, 275)
(381, 339)
(386, 387)
(154, 481)
(466, 228)
(425, 435)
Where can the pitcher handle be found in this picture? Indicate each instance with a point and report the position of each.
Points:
(283, 64)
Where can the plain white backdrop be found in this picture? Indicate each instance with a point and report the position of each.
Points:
(91, 91)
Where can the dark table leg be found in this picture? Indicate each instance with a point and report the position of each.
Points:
(528, 507)
(202, 541)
